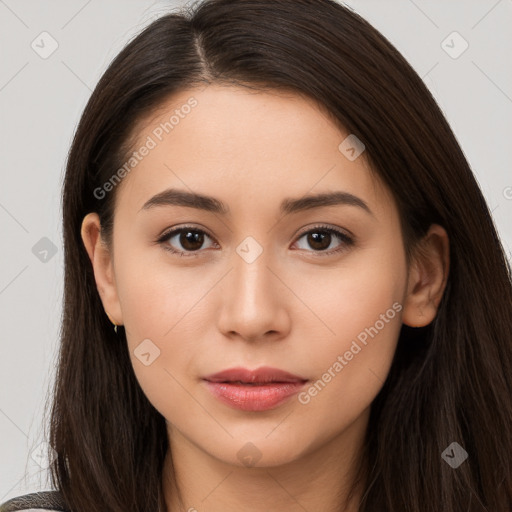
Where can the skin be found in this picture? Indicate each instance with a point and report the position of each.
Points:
(291, 308)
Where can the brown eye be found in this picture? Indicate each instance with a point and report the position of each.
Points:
(184, 240)
(320, 239)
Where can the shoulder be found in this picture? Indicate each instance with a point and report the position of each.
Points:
(46, 501)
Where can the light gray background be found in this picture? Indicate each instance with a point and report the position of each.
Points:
(40, 104)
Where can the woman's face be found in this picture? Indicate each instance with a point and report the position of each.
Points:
(263, 280)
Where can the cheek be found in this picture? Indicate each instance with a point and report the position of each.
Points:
(349, 369)
(164, 309)
(161, 340)
(360, 309)
(157, 296)
(347, 298)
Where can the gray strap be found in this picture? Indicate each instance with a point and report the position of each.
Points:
(46, 500)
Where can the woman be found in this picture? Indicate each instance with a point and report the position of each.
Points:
(311, 304)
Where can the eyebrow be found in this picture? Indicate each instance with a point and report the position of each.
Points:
(176, 197)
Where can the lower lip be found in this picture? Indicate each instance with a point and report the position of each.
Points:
(254, 398)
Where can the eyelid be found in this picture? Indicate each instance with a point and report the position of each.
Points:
(326, 227)
(177, 229)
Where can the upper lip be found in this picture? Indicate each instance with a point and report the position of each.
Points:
(262, 374)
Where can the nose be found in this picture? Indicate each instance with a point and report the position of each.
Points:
(254, 302)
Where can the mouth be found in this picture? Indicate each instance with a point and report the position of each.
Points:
(254, 390)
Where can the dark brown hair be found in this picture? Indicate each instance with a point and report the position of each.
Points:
(449, 381)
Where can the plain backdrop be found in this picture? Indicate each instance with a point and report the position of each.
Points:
(42, 97)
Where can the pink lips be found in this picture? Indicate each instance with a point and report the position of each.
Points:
(257, 390)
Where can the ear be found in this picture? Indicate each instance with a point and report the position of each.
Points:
(103, 267)
(428, 275)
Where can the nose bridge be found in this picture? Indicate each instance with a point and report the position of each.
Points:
(251, 304)
(251, 277)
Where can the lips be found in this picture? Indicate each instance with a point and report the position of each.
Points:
(256, 390)
(263, 375)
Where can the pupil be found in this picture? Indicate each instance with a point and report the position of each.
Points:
(317, 240)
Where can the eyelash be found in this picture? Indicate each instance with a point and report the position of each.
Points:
(347, 240)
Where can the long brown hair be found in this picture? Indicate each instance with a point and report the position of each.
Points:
(450, 381)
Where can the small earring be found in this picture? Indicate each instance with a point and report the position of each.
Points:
(115, 325)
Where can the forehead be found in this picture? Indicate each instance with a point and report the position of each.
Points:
(228, 141)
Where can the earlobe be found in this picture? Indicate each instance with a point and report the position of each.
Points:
(428, 275)
(102, 264)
